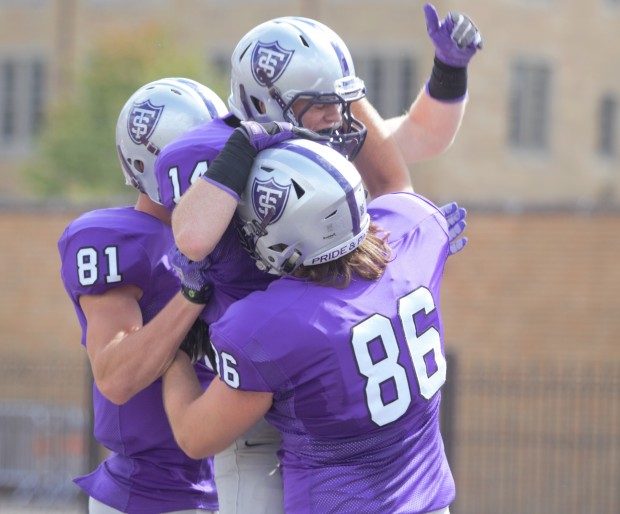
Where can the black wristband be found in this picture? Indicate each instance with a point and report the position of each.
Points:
(200, 297)
(447, 82)
(232, 166)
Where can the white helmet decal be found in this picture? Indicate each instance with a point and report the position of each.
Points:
(269, 60)
(142, 121)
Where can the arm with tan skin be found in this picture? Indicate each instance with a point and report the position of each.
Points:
(379, 161)
(125, 355)
(428, 128)
(206, 209)
(219, 415)
(201, 217)
(383, 170)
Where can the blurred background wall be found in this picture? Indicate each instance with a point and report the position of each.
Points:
(530, 306)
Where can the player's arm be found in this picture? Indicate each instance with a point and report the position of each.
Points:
(435, 116)
(429, 127)
(379, 161)
(206, 423)
(206, 209)
(125, 355)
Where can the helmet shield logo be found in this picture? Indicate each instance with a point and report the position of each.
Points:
(269, 199)
(142, 121)
(269, 60)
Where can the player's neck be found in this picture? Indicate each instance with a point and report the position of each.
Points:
(145, 204)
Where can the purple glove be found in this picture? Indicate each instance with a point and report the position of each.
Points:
(456, 38)
(264, 135)
(194, 284)
(455, 216)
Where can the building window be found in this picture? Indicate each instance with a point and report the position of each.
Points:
(22, 87)
(608, 126)
(530, 106)
(391, 83)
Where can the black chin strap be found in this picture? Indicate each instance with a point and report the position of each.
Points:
(274, 92)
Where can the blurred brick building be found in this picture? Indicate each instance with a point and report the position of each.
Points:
(536, 163)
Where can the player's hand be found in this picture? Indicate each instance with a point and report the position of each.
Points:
(264, 135)
(194, 283)
(456, 38)
(455, 216)
(196, 343)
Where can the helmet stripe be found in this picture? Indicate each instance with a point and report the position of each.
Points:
(344, 63)
(336, 175)
(208, 103)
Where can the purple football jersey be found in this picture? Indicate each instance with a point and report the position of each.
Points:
(355, 374)
(146, 471)
(182, 161)
(232, 272)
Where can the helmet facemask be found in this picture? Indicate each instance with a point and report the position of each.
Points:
(348, 138)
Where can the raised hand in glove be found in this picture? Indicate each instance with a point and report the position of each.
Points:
(264, 135)
(196, 343)
(194, 284)
(455, 216)
(456, 38)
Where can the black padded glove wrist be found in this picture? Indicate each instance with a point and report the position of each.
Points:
(196, 343)
(232, 166)
(194, 280)
(199, 296)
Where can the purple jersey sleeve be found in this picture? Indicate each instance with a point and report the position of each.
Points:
(187, 158)
(116, 247)
(355, 373)
(233, 273)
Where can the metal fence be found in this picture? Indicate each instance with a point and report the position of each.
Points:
(44, 435)
(523, 437)
(534, 437)
(41, 449)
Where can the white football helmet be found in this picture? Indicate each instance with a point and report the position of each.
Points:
(304, 203)
(153, 116)
(289, 58)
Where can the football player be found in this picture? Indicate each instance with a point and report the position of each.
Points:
(134, 314)
(343, 354)
(299, 71)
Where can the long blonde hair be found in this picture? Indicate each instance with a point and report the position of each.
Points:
(368, 261)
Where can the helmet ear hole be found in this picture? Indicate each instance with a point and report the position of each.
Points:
(138, 166)
(258, 105)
